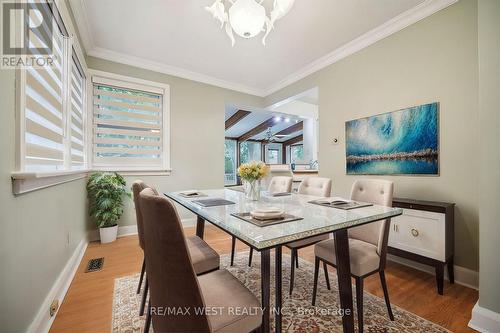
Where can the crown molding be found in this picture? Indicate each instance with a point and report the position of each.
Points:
(80, 13)
(411, 16)
(172, 70)
(398, 23)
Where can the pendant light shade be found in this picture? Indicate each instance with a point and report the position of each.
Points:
(247, 18)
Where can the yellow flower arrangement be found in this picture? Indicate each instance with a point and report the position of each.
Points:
(253, 171)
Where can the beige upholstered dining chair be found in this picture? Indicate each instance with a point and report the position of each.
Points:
(320, 187)
(174, 284)
(367, 244)
(280, 184)
(205, 259)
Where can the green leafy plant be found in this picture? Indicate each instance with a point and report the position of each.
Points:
(105, 192)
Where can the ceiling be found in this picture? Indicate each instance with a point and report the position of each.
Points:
(181, 38)
(255, 118)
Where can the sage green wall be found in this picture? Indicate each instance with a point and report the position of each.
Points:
(489, 118)
(432, 60)
(34, 228)
(197, 131)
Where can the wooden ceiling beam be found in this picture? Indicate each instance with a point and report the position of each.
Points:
(292, 129)
(293, 140)
(258, 129)
(235, 118)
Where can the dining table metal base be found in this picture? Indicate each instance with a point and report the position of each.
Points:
(344, 279)
(343, 275)
(316, 221)
(265, 285)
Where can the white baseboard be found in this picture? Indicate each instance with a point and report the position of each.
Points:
(463, 276)
(128, 230)
(43, 320)
(484, 320)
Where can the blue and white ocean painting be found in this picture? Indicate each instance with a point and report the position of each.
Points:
(399, 142)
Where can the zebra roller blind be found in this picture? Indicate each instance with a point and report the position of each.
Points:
(128, 131)
(44, 118)
(77, 119)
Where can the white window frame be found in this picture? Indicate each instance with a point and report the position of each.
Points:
(133, 83)
(26, 181)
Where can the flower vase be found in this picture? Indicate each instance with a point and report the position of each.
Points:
(252, 190)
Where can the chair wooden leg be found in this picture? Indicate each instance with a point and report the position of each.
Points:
(325, 268)
(144, 296)
(296, 258)
(250, 257)
(233, 244)
(292, 272)
(143, 269)
(147, 324)
(315, 286)
(386, 294)
(359, 302)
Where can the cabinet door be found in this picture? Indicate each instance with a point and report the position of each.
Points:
(419, 232)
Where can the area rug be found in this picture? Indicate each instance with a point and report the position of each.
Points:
(299, 316)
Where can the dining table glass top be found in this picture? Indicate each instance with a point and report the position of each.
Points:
(315, 220)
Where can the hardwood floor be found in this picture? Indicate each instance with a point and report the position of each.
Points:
(87, 305)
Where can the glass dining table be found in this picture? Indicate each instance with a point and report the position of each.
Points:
(315, 220)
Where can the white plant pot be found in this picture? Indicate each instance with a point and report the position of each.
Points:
(108, 234)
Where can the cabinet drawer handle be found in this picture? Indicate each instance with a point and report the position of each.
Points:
(414, 232)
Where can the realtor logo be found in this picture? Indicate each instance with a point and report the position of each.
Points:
(27, 38)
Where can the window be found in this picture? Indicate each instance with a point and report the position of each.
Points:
(272, 156)
(52, 107)
(130, 125)
(230, 162)
(250, 151)
(297, 153)
(77, 115)
(44, 115)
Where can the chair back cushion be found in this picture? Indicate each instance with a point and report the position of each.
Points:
(378, 192)
(275, 171)
(137, 188)
(170, 273)
(280, 184)
(317, 186)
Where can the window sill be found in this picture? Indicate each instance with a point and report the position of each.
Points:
(145, 173)
(25, 182)
(129, 172)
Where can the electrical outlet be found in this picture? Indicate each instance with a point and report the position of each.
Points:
(53, 307)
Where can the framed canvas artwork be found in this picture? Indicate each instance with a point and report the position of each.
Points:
(403, 142)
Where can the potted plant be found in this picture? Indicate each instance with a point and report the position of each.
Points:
(105, 192)
(251, 173)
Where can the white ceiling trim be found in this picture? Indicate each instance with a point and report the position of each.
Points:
(171, 70)
(390, 27)
(80, 13)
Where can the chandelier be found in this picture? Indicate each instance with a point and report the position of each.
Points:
(248, 18)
